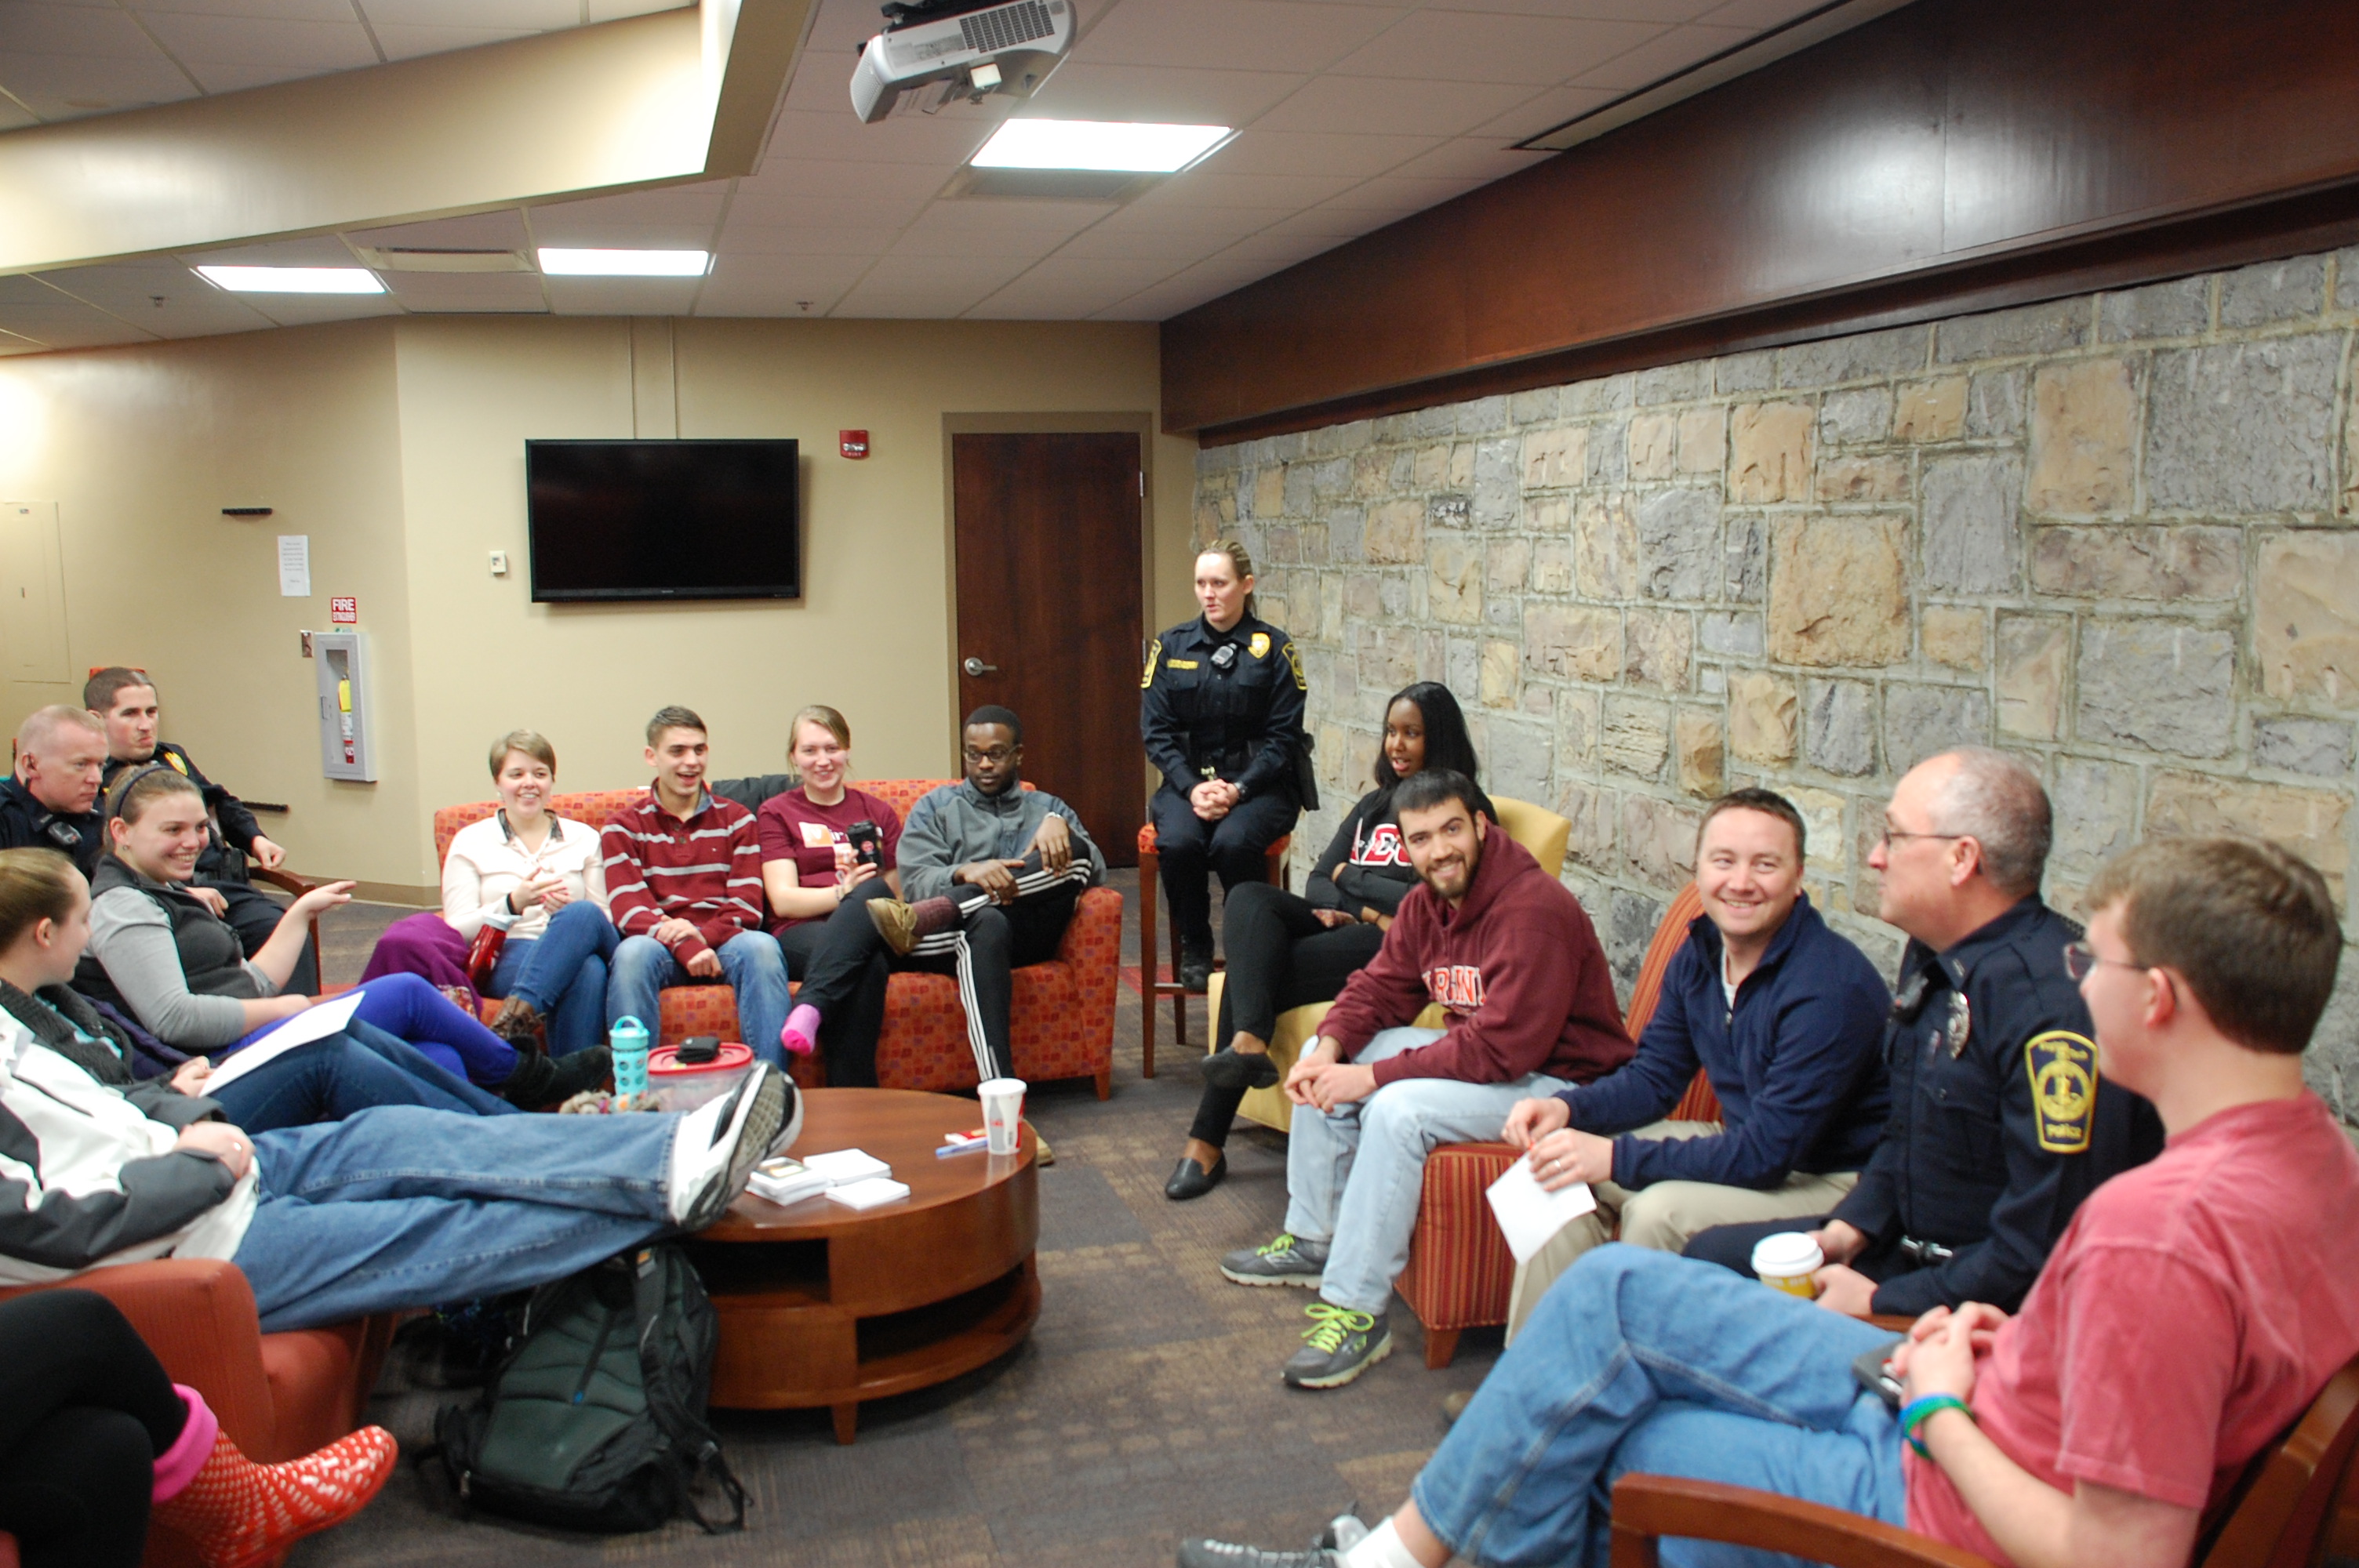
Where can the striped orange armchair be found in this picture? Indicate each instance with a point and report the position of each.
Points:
(1061, 1021)
(1460, 1269)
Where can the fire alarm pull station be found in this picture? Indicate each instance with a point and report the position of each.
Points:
(852, 443)
(344, 750)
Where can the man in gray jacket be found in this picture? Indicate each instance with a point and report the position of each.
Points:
(994, 868)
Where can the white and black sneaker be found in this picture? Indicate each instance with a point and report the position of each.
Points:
(1287, 1260)
(1229, 1554)
(1340, 1345)
(717, 1145)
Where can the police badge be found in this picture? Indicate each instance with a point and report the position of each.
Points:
(1962, 1024)
(1260, 645)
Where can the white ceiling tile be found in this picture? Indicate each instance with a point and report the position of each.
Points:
(945, 272)
(775, 210)
(676, 207)
(1759, 14)
(1545, 112)
(1464, 46)
(870, 182)
(191, 307)
(1275, 252)
(309, 309)
(1082, 274)
(503, 230)
(32, 309)
(470, 293)
(1021, 244)
(552, 227)
(967, 214)
(401, 42)
(845, 24)
(1470, 157)
(252, 44)
(1083, 90)
(1211, 188)
(1157, 214)
(67, 87)
(1398, 195)
(1662, 11)
(800, 240)
(836, 136)
(1330, 221)
(1303, 152)
(1392, 104)
(1183, 292)
(622, 296)
(321, 250)
(1043, 299)
(1176, 249)
(614, 10)
(1271, 35)
(822, 82)
(771, 286)
(13, 118)
(523, 16)
(270, 10)
(1661, 56)
(96, 32)
(920, 301)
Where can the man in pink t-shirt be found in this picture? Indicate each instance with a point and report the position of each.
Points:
(2192, 1310)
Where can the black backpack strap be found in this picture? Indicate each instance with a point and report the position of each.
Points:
(698, 1445)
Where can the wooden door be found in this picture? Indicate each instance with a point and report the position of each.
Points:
(1048, 613)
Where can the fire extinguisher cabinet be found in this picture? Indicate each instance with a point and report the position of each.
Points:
(344, 749)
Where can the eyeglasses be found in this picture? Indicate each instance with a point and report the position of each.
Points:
(1890, 833)
(2080, 960)
(996, 756)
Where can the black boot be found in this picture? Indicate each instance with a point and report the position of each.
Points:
(542, 1080)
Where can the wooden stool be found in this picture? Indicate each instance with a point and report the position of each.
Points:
(1149, 987)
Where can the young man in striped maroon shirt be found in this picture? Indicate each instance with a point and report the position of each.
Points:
(684, 883)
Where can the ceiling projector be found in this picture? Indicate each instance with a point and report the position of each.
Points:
(959, 48)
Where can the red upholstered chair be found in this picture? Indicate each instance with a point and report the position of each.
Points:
(1061, 1017)
(1460, 1271)
(1149, 987)
(278, 1396)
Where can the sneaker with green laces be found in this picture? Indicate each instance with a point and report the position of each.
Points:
(1285, 1262)
(1339, 1346)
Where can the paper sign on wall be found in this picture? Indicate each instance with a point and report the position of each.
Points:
(294, 565)
(344, 611)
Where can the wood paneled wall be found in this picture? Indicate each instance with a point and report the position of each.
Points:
(1956, 154)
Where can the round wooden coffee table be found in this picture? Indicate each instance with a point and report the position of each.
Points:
(820, 1305)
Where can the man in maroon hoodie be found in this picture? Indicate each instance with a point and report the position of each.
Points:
(1510, 955)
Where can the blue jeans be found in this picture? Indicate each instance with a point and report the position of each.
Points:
(1354, 1174)
(345, 1073)
(751, 963)
(562, 972)
(1637, 1361)
(400, 1206)
(408, 1008)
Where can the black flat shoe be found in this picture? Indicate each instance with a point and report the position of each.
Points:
(1195, 975)
(1227, 1070)
(1189, 1180)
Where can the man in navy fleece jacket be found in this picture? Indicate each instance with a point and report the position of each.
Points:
(1785, 1016)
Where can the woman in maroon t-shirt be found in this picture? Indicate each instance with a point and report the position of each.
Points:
(809, 871)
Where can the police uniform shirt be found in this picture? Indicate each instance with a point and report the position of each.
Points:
(27, 824)
(1224, 704)
(2000, 1125)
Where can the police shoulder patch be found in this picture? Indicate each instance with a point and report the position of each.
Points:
(1294, 659)
(2063, 1068)
(1259, 648)
(178, 766)
(1153, 652)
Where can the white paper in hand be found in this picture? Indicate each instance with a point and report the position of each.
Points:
(315, 1023)
(1529, 1214)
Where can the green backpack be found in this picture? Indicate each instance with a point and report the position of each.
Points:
(595, 1420)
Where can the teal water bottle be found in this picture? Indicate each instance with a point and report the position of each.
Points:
(628, 1042)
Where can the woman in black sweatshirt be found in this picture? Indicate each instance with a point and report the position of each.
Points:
(1288, 951)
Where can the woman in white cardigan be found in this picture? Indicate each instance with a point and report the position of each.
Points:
(540, 878)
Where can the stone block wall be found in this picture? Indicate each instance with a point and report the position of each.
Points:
(2118, 534)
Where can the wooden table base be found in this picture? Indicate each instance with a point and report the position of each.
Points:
(822, 1306)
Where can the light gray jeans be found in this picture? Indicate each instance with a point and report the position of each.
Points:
(1354, 1174)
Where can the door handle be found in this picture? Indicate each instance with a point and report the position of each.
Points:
(975, 666)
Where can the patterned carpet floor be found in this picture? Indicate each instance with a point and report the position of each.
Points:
(1146, 1407)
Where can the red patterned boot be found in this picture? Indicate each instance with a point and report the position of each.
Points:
(238, 1514)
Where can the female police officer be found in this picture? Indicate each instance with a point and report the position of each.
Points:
(1222, 722)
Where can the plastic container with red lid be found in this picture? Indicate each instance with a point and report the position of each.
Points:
(684, 1086)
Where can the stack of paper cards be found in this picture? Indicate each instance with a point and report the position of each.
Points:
(960, 1142)
(846, 1165)
(1529, 1214)
(783, 1181)
(869, 1192)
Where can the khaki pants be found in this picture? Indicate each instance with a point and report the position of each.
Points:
(1667, 1215)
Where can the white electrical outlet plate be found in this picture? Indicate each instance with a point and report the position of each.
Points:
(499, 563)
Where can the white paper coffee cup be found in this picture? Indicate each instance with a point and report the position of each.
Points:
(1003, 1113)
(1786, 1262)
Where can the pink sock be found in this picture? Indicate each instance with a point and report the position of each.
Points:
(802, 1033)
(178, 1466)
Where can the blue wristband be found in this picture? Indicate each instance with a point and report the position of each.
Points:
(1918, 1412)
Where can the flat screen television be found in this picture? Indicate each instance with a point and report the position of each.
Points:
(656, 520)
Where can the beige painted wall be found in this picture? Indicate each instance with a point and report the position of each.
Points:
(398, 446)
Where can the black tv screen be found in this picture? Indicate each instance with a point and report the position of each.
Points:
(622, 520)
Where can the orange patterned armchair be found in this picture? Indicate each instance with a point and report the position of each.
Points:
(1460, 1271)
(1061, 1021)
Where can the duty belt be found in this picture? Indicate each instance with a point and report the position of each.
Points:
(1925, 1253)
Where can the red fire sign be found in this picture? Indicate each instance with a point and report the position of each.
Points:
(344, 611)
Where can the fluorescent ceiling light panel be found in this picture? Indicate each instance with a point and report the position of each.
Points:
(293, 279)
(563, 262)
(1098, 144)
